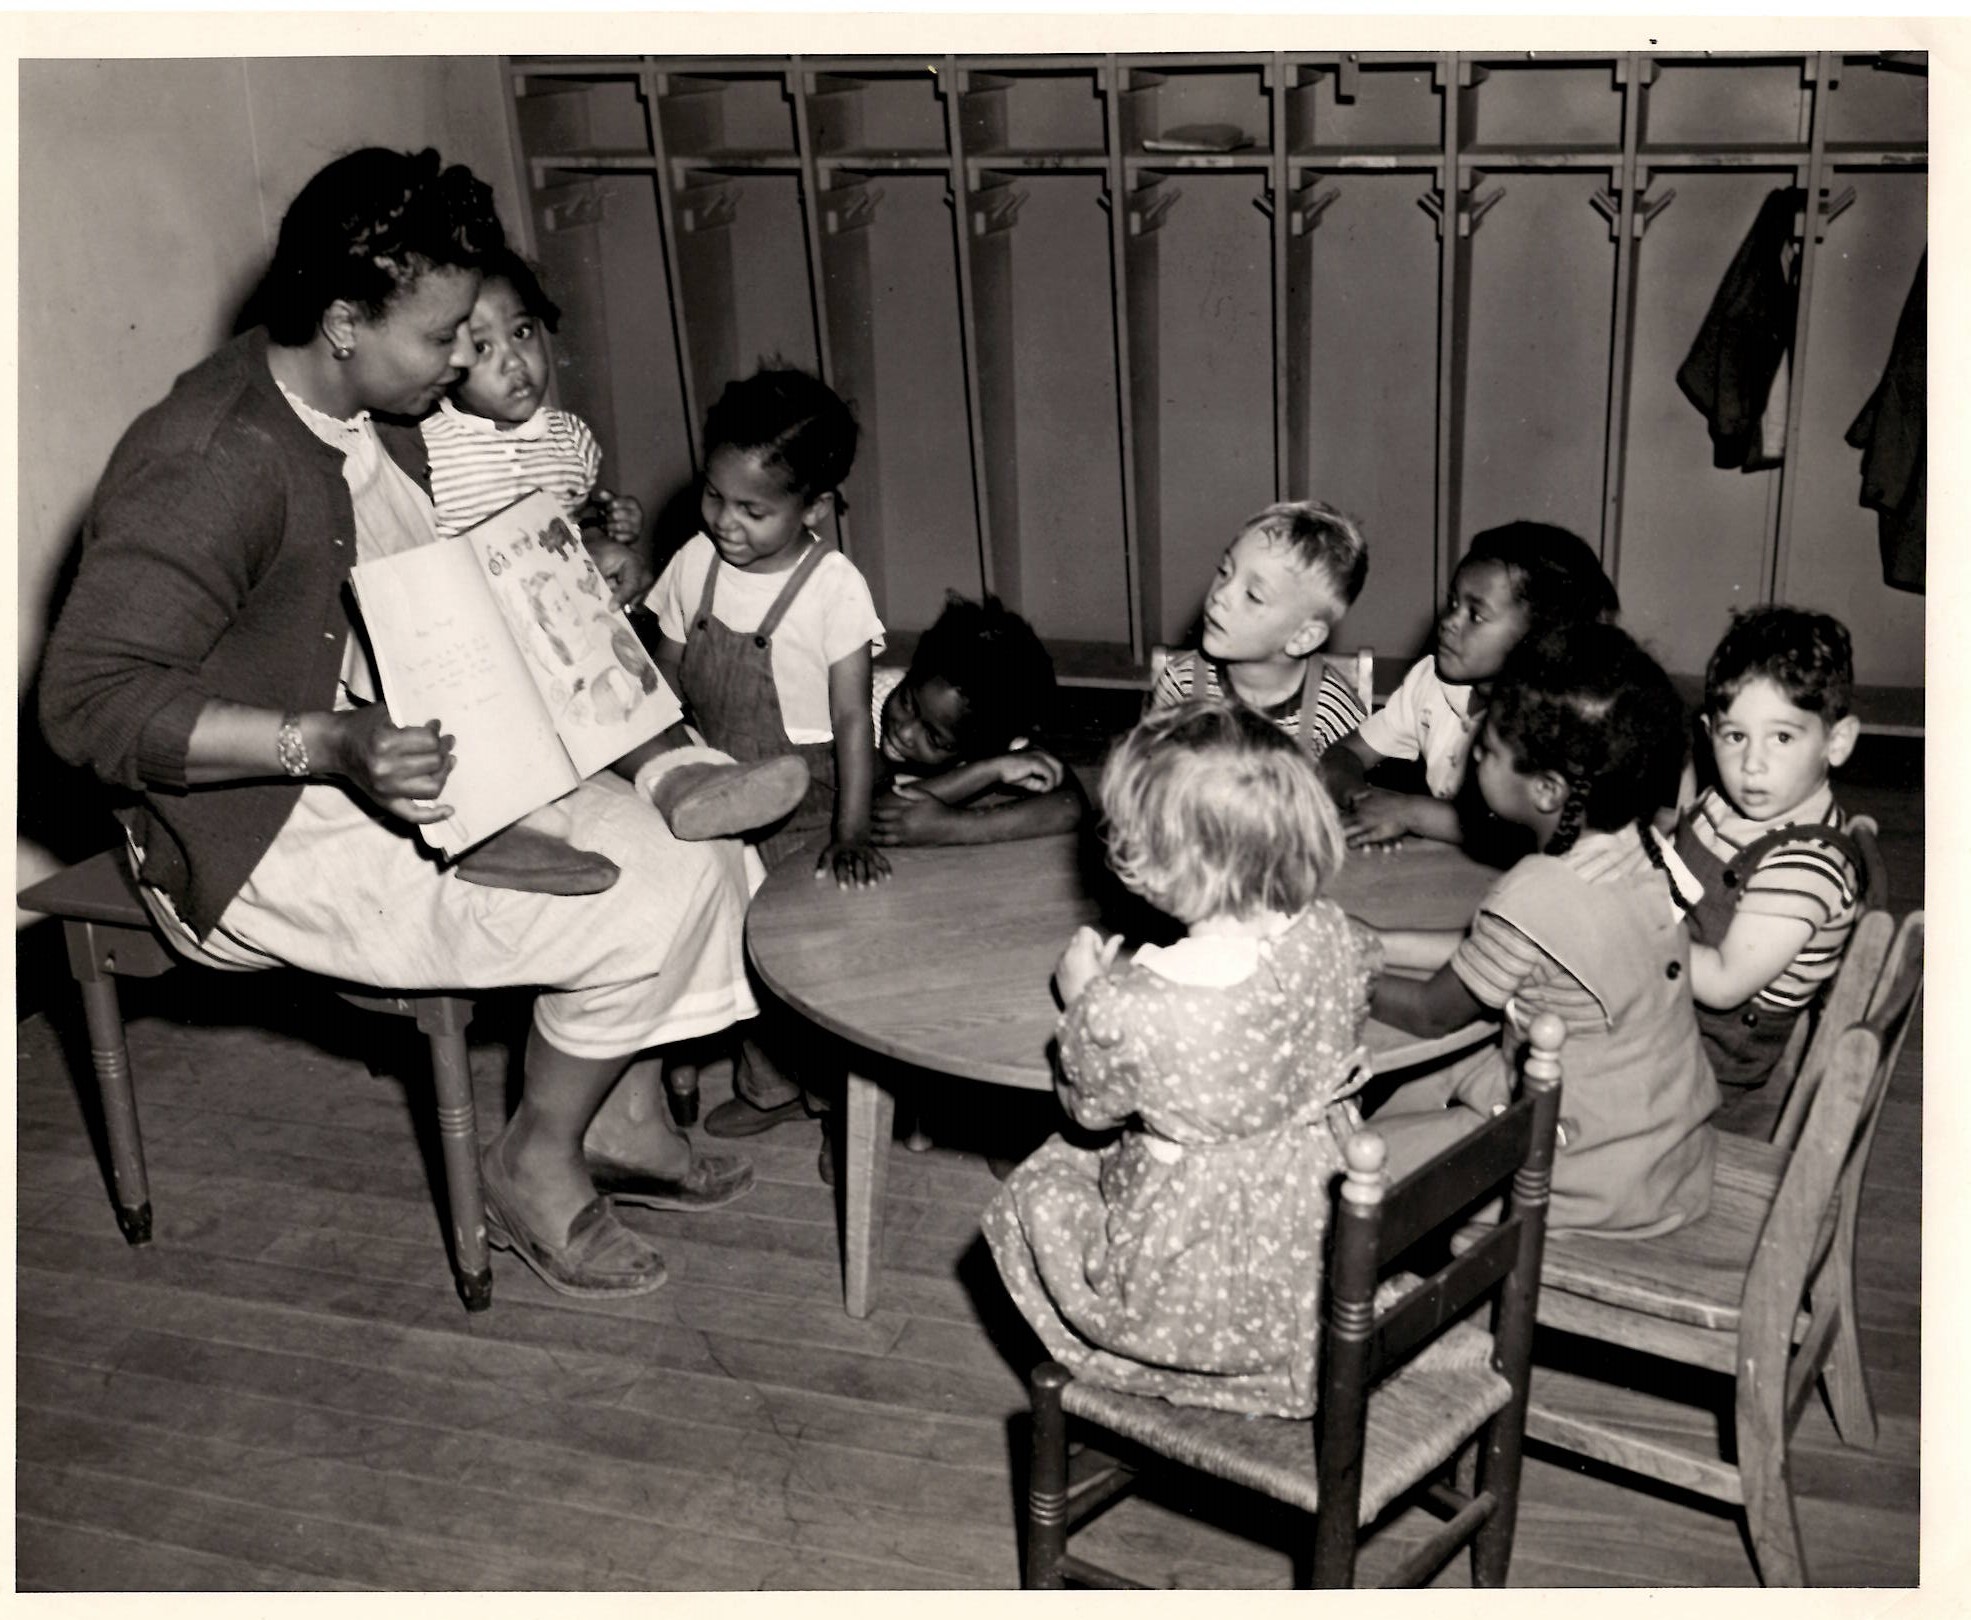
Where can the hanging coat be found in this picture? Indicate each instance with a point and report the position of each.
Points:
(1890, 433)
(1742, 345)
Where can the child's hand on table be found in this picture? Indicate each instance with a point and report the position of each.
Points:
(1375, 816)
(852, 863)
(1088, 957)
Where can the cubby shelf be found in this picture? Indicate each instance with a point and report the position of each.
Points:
(1085, 296)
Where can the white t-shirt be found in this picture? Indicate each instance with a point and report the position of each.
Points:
(833, 615)
(1425, 717)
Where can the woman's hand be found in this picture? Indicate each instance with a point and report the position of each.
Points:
(853, 863)
(1088, 957)
(402, 768)
(629, 576)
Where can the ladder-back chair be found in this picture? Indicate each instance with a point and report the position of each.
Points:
(1404, 1382)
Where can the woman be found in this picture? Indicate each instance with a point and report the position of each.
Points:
(205, 661)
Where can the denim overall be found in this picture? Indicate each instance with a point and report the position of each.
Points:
(1744, 1042)
(727, 678)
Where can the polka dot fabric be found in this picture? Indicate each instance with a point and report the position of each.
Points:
(1183, 1259)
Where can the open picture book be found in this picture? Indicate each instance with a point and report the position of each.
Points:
(505, 636)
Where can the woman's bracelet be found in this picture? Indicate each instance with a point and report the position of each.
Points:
(290, 746)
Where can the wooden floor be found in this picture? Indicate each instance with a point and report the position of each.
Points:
(282, 1392)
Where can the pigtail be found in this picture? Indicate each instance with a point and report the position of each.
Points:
(1568, 828)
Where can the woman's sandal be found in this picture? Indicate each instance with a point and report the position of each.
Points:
(601, 1259)
(712, 1180)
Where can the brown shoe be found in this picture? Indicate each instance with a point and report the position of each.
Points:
(601, 1258)
(712, 1180)
(535, 863)
(721, 801)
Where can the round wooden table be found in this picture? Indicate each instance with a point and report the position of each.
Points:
(948, 967)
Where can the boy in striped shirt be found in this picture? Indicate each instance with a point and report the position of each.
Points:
(1782, 881)
(1282, 587)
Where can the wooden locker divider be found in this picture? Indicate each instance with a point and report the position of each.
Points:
(842, 132)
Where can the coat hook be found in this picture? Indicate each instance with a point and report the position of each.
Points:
(1149, 209)
(854, 211)
(996, 210)
(1476, 208)
(717, 208)
(1309, 206)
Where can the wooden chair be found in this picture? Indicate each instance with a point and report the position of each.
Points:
(1760, 1290)
(1404, 1383)
(109, 936)
(1875, 897)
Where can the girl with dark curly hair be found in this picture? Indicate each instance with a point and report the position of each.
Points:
(1582, 745)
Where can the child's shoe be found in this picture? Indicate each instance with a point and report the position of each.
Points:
(703, 793)
(536, 863)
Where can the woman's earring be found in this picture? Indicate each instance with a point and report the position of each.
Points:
(340, 352)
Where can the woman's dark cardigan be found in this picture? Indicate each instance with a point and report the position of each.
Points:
(214, 557)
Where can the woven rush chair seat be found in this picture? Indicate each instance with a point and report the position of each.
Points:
(1417, 1417)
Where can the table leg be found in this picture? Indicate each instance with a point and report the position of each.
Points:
(865, 1168)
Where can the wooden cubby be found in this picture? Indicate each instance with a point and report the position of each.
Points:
(1441, 290)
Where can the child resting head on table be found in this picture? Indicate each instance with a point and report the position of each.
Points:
(1583, 744)
(1516, 581)
(1182, 1258)
(953, 735)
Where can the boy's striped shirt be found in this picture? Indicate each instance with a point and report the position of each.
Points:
(1810, 881)
(1337, 709)
(478, 468)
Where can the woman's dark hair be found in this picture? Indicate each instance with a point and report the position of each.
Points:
(994, 661)
(364, 229)
(1554, 572)
(793, 422)
(1585, 702)
(508, 266)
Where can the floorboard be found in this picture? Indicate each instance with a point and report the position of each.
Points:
(282, 1392)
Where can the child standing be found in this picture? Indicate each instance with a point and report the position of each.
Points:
(952, 735)
(496, 438)
(1284, 583)
(1782, 881)
(1515, 581)
(1581, 746)
(767, 632)
(1183, 1259)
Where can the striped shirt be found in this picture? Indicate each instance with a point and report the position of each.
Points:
(1498, 964)
(1808, 882)
(479, 468)
(1337, 709)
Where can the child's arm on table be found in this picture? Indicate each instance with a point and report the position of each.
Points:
(1754, 952)
(936, 811)
(851, 857)
(1378, 816)
(1345, 767)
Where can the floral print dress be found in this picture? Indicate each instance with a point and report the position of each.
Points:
(1183, 1259)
